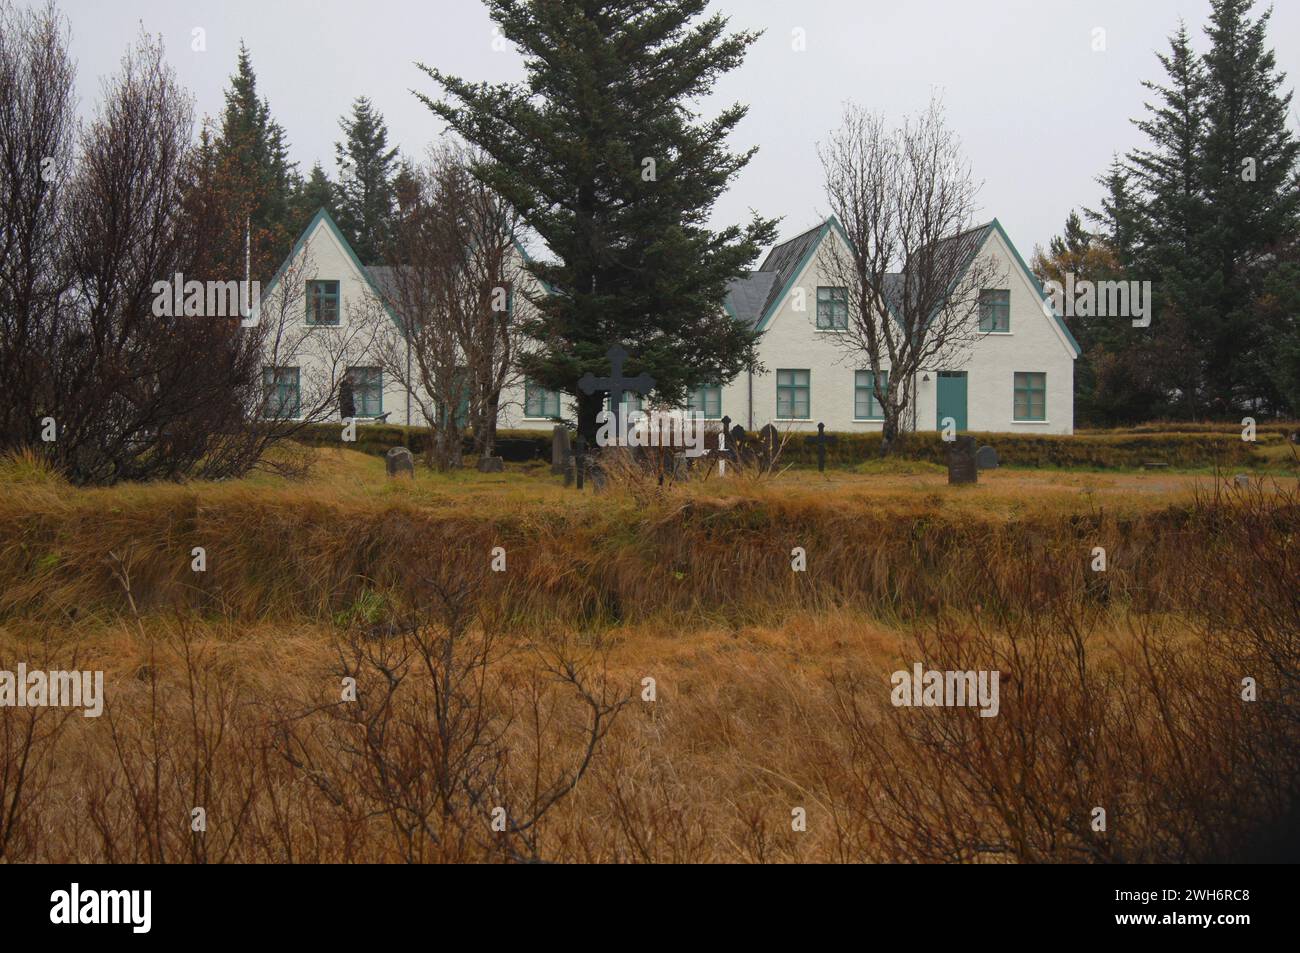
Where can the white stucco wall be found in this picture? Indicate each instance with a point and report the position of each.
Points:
(790, 341)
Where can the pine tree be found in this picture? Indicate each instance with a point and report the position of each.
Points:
(365, 192)
(1252, 187)
(317, 192)
(1171, 224)
(603, 154)
(252, 169)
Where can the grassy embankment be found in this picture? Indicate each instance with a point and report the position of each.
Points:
(1120, 689)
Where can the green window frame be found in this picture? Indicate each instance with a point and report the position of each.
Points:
(632, 403)
(707, 401)
(995, 310)
(323, 303)
(540, 402)
(832, 308)
(1031, 395)
(367, 390)
(280, 393)
(865, 405)
(462, 406)
(793, 394)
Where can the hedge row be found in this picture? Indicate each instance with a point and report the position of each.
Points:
(1202, 448)
(1110, 451)
(516, 446)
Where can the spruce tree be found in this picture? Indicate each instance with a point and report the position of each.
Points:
(317, 192)
(1171, 224)
(603, 153)
(252, 168)
(1253, 190)
(365, 192)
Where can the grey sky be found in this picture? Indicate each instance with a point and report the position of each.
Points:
(1039, 112)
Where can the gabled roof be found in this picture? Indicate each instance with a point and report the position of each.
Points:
(323, 215)
(785, 262)
(747, 296)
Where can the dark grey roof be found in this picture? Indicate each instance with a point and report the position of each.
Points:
(783, 259)
(954, 255)
(382, 276)
(747, 296)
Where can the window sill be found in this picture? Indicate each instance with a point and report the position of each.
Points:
(830, 330)
(868, 420)
(1001, 334)
(792, 420)
(1031, 421)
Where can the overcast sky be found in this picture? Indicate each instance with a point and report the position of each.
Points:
(1040, 113)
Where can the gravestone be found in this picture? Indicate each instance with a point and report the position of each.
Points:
(821, 440)
(399, 460)
(491, 465)
(986, 458)
(347, 405)
(769, 445)
(573, 473)
(1241, 480)
(616, 385)
(561, 450)
(961, 461)
(679, 468)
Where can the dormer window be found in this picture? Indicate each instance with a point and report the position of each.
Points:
(323, 302)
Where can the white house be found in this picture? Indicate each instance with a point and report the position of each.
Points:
(1015, 375)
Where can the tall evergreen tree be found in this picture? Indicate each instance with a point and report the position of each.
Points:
(317, 192)
(1253, 190)
(603, 153)
(252, 169)
(1170, 225)
(365, 192)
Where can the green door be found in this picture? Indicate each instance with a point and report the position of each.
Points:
(951, 400)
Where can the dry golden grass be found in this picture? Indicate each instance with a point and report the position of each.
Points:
(524, 689)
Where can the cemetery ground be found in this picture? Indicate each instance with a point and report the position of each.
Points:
(643, 674)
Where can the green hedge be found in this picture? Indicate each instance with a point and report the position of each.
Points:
(516, 446)
(1110, 450)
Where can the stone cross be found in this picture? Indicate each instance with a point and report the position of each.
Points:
(821, 440)
(616, 384)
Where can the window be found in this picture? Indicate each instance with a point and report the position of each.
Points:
(540, 402)
(462, 406)
(367, 390)
(706, 401)
(995, 310)
(280, 391)
(865, 405)
(793, 395)
(832, 309)
(1031, 396)
(632, 403)
(322, 302)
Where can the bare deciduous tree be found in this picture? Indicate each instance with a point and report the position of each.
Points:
(452, 280)
(95, 379)
(905, 199)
